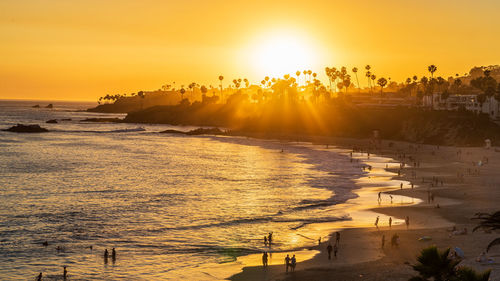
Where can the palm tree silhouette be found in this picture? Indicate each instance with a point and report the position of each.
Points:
(382, 82)
(220, 79)
(432, 68)
(355, 70)
(489, 222)
(373, 77)
(182, 94)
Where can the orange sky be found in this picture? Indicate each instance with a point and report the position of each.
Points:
(84, 49)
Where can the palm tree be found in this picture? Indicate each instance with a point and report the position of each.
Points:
(382, 82)
(434, 264)
(489, 222)
(355, 70)
(438, 266)
(220, 79)
(182, 93)
(432, 68)
(203, 90)
(373, 77)
(368, 75)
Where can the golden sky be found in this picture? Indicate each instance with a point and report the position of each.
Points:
(84, 49)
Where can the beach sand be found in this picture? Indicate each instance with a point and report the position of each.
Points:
(360, 255)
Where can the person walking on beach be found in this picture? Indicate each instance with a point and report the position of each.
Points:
(39, 278)
(65, 273)
(335, 250)
(287, 262)
(407, 221)
(376, 222)
(329, 249)
(264, 259)
(383, 241)
(401, 186)
(337, 238)
(293, 263)
(379, 197)
(391, 198)
(390, 222)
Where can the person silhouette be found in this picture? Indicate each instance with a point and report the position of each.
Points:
(287, 262)
(65, 273)
(270, 238)
(293, 263)
(376, 222)
(337, 237)
(106, 255)
(39, 278)
(390, 222)
(113, 254)
(329, 249)
(264, 259)
(335, 250)
(265, 240)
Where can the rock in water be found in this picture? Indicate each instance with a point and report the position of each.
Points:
(20, 128)
(36, 106)
(52, 121)
(50, 106)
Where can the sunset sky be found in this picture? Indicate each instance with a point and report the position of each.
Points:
(85, 49)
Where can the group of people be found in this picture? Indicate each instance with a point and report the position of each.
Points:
(65, 275)
(268, 239)
(106, 255)
(335, 247)
(65, 271)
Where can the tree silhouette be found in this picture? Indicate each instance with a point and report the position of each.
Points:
(382, 82)
(432, 68)
(355, 70)
(488, 222)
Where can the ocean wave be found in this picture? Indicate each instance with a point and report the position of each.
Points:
(132, 130)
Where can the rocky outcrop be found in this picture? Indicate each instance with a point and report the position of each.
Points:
(52, 121)
(199, 131)
(20, 128)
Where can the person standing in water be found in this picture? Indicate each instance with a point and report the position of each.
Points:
(407, 221)
(270, 238)
(376, 222)
(329, 249)
(390, 222)
(265, 240)
(287, 262)
(65, 273)
(379, 197)
(337, 237)
(106, 255)
(113, 255)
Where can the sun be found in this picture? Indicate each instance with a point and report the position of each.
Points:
(280, 54)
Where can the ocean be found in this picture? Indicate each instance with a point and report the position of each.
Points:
(174, 207)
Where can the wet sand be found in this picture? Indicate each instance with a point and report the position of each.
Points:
(360, 254)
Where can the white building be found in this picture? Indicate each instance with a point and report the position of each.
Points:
(468, 102)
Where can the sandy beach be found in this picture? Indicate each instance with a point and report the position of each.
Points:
(462, 187)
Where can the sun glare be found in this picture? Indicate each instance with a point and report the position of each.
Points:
(283, 54)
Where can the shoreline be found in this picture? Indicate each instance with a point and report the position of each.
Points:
(365, 192)
(426, 218)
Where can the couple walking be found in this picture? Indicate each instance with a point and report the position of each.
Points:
(290, 262)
